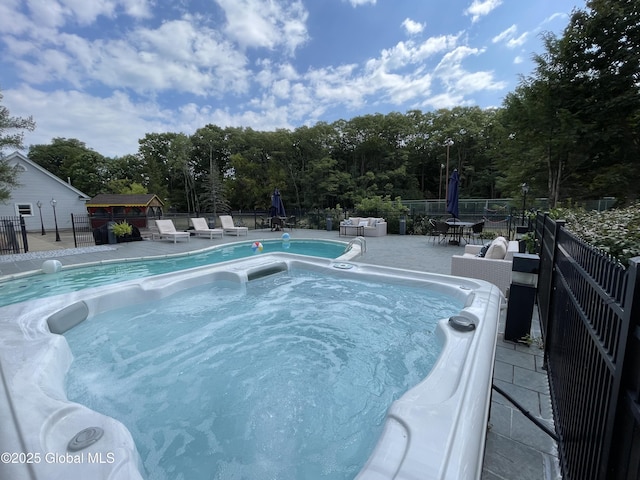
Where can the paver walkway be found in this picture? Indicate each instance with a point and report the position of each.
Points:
(516, 448)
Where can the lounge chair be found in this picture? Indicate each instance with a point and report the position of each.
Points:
(201, 227)
(229, 227)
(166, 229)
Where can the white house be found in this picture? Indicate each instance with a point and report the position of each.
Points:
(33, 198)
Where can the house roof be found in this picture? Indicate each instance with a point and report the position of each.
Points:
(134, 200)
(17, 157)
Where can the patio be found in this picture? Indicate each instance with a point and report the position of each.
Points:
(515, 447)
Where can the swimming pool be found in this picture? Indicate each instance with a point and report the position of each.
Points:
(39, 285)
(434, 430)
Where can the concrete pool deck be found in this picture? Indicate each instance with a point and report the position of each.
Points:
(515, 447)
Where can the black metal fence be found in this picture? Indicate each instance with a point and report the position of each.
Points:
(82, 231)
(590, 314)
(13, 235)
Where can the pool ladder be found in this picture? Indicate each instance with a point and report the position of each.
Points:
(359, 241)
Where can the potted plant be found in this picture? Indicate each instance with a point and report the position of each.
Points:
(528, 243)
(122, 231)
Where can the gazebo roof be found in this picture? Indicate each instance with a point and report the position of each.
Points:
(114, 200)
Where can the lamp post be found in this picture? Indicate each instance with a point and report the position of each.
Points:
(525, 189)
(55, 219)
(39, 204)
(440, 189)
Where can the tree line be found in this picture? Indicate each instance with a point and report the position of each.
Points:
(570, 131)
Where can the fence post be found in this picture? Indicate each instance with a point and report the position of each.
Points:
(548, 249)
(73, 228)
(623, 437)
(23, 229)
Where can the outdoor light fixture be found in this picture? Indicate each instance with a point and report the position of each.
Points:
(440, 189)
(55, 219)
(39, 204)
(525, 190)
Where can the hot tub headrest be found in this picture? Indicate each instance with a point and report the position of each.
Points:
(68, 317)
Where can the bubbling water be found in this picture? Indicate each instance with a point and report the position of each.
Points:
(288, 376)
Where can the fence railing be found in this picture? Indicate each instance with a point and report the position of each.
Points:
(13, 235)
(590, 314)
(82, 231)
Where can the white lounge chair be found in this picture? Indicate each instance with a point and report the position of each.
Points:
(166, 229)
(229, 227)
(200, 227)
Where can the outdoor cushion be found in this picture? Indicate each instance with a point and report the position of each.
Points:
(497, 249)
(483, 251)
(363, 223)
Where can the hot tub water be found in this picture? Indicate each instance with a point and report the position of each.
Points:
(287, 376)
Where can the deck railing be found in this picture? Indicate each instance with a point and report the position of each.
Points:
(590, 314)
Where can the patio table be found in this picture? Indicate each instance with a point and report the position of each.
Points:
(458, 230)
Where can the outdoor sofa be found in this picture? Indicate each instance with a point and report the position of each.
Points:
(367, 226)
(494, 267)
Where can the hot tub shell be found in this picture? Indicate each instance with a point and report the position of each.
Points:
(436, 430)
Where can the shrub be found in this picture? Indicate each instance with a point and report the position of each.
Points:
(615, 231)
(121, 229)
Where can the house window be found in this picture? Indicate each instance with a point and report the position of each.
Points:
(24, 209)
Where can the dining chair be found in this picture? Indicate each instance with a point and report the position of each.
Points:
(475, 231)
(439, 230)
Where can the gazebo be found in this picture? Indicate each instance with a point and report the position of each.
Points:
(135, 209)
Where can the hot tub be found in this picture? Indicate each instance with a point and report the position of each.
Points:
(435, 430)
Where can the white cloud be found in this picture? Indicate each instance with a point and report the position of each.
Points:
(509, 37)
(411, 27)
(122, 120)
(12, 21)
(480, 8)
(518, 41)
(357, 3)
(265, 24)
(508, 33)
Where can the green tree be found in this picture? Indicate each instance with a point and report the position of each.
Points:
(577, 117)
(61, 152)
(153, 149)
(9, 175)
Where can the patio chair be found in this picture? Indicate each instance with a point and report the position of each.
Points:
(475, 231)
(276, 224)
(201, 227)
(166, 229)
(290, 222)
(263, 222)
(229, 227)
(439, 230)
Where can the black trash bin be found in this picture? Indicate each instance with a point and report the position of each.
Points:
(522, 296)
(329, 224)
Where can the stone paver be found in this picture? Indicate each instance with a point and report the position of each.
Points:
(515, 447)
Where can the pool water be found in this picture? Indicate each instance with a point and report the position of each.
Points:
(289, 376)
(72, 279)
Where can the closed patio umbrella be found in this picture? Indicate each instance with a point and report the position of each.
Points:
(452, 205)
(452, 197)
(277, 207)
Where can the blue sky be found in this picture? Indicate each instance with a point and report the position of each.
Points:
(109, 71)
